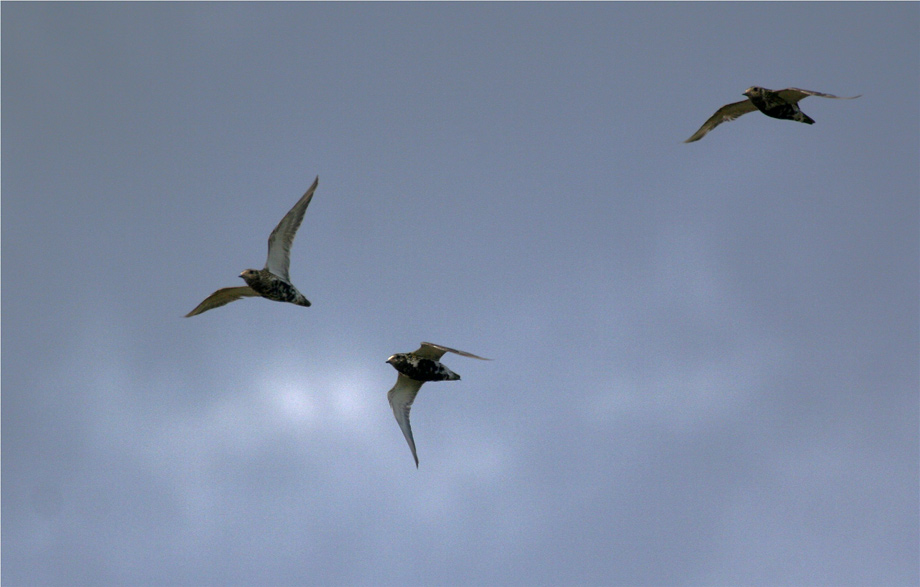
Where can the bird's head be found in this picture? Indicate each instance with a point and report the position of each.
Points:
(397, 359)
(249, 274)
(753, 91)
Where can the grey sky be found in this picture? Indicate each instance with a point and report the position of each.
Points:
(706, 355)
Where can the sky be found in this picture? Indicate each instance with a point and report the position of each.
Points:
(705, 356)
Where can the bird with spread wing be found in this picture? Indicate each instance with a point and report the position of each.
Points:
(782, 104)
(272, 282)
(414, 369)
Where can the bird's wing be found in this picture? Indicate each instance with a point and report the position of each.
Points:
(280, 240)
(222, 297)
(435, 351)
(723, 114)
(401, 397)
(796, 94)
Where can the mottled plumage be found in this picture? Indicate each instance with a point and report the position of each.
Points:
(414, 369)
(782, 104)
(272, 282)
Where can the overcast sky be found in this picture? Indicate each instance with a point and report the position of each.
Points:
(705, 355)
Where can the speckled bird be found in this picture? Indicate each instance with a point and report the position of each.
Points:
(782, 104)
(414, 369)
(271, 282)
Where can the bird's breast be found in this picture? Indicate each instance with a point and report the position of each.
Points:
(422, 369)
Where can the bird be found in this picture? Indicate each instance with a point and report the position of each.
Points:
(414, 369)
(782, 104)
(272, 282)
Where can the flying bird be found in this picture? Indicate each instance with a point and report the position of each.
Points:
(782, 104)
(414, 369)
(272, 282)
